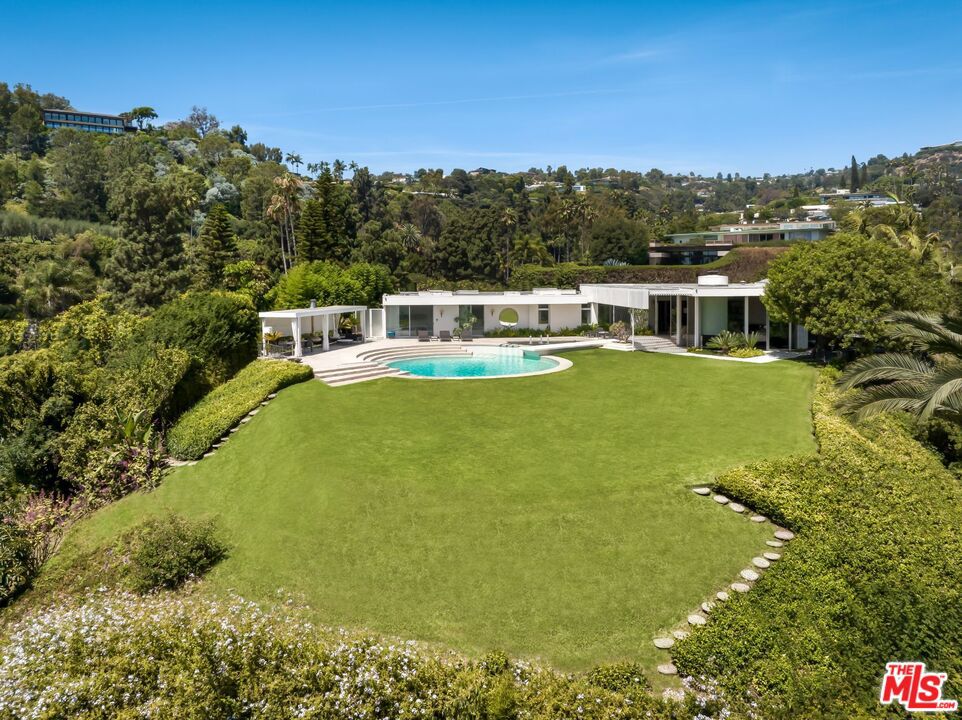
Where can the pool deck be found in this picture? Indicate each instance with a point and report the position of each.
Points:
(349, 363)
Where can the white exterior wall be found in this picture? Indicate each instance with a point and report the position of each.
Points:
(445, 318)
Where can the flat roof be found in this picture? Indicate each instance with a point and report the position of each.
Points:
(83, 112)
(295, 313)
(538, 296)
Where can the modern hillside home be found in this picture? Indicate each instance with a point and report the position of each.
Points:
(87, 121)
(689, 314)
(698, 248)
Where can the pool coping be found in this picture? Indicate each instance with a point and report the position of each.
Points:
(562, 364)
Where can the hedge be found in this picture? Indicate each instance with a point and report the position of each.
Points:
(741, 264)
(223, 407)
(875, 574)
(168, 655)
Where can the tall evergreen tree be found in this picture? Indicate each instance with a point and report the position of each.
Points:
(313, 239)
(216, 246)
(853, 175)
(147, 266)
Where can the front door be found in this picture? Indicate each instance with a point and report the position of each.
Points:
(665, 308)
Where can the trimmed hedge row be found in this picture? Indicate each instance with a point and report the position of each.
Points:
(225, 405)
(874, 576)
(748, 264)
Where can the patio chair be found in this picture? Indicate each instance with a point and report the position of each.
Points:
(423, 336)
(466, 335)
(444, 336)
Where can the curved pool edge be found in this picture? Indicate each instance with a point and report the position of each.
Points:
(561, 364)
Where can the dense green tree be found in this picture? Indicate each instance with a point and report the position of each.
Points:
(140, 115)
(841, 288)
(619, 239)
(148, 264)
(215, 247)
(77, 174)
(853, 175)
(50, 286)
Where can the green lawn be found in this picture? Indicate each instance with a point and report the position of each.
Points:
(547, 516)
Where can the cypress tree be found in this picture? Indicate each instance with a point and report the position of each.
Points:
(853, 175)
(863, 181)
(216, 247)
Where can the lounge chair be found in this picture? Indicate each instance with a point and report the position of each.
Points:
(444, 336)
(423, 336)
(466, 335)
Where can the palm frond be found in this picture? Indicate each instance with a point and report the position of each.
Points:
(886, 367)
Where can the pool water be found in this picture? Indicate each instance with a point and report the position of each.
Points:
(474, 365)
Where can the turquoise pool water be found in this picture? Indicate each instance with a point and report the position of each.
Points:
(474, 365)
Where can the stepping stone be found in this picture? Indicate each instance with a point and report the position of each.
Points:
(774, 543)
(663, 643)
(680, 634)
(737, 508)
(264, 403)
(707, 606)
(701, 491)
(667, 669)
(245, 420)
(772, 556)
(723, 596)
(192, 462)
(253, 412)
(759, 518)
(783, 534)
(216, 445)
(209, 454)
(225, 438)
(720, 499)
(749, 574)
(272, 396)
(234, 429)
(761, 562)
(740, 587)
(696, 620)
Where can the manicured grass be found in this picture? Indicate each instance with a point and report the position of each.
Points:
(547, 516)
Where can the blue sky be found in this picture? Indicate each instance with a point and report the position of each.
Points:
(742, 87)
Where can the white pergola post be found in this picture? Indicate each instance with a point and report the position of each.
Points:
(790, 336)
(746, 316)
(631, 316)
(326, 342)
(677, 319)
(768, 331)
(296, 332)
(263, 339)
(697, 301)
(363, 314)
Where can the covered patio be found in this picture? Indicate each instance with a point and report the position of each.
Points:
(309, 322)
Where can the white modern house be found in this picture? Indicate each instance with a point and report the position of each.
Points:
(687, 314)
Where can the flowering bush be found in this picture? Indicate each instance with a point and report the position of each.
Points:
(178, 656)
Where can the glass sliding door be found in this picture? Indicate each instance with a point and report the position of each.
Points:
(422, 318)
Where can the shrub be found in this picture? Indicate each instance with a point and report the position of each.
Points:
(620, 330)
(170, 655)
(224, 407)
(626, 677)
(163, 553)
(15, 559)
(745, 352)
(218, 330)
(873, 577)
(724, 342)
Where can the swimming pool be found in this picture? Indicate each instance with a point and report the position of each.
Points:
(475, 366)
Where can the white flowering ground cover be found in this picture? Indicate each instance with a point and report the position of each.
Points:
(113, 655)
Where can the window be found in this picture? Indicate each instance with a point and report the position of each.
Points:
(586, 314)
(544, 315)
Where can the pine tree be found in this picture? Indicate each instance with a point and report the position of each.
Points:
(146, 268)
(863, 180)
(853, 175)
(216, 247)
(313, 239)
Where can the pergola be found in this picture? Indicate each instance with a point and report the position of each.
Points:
(304, 320)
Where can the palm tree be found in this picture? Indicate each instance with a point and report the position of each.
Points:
(282, 209)
(528, 249)
(509, 220)
(925, 380)
(51, 286)
(294, 159)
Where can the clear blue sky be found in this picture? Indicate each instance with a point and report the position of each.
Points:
(703, 86)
